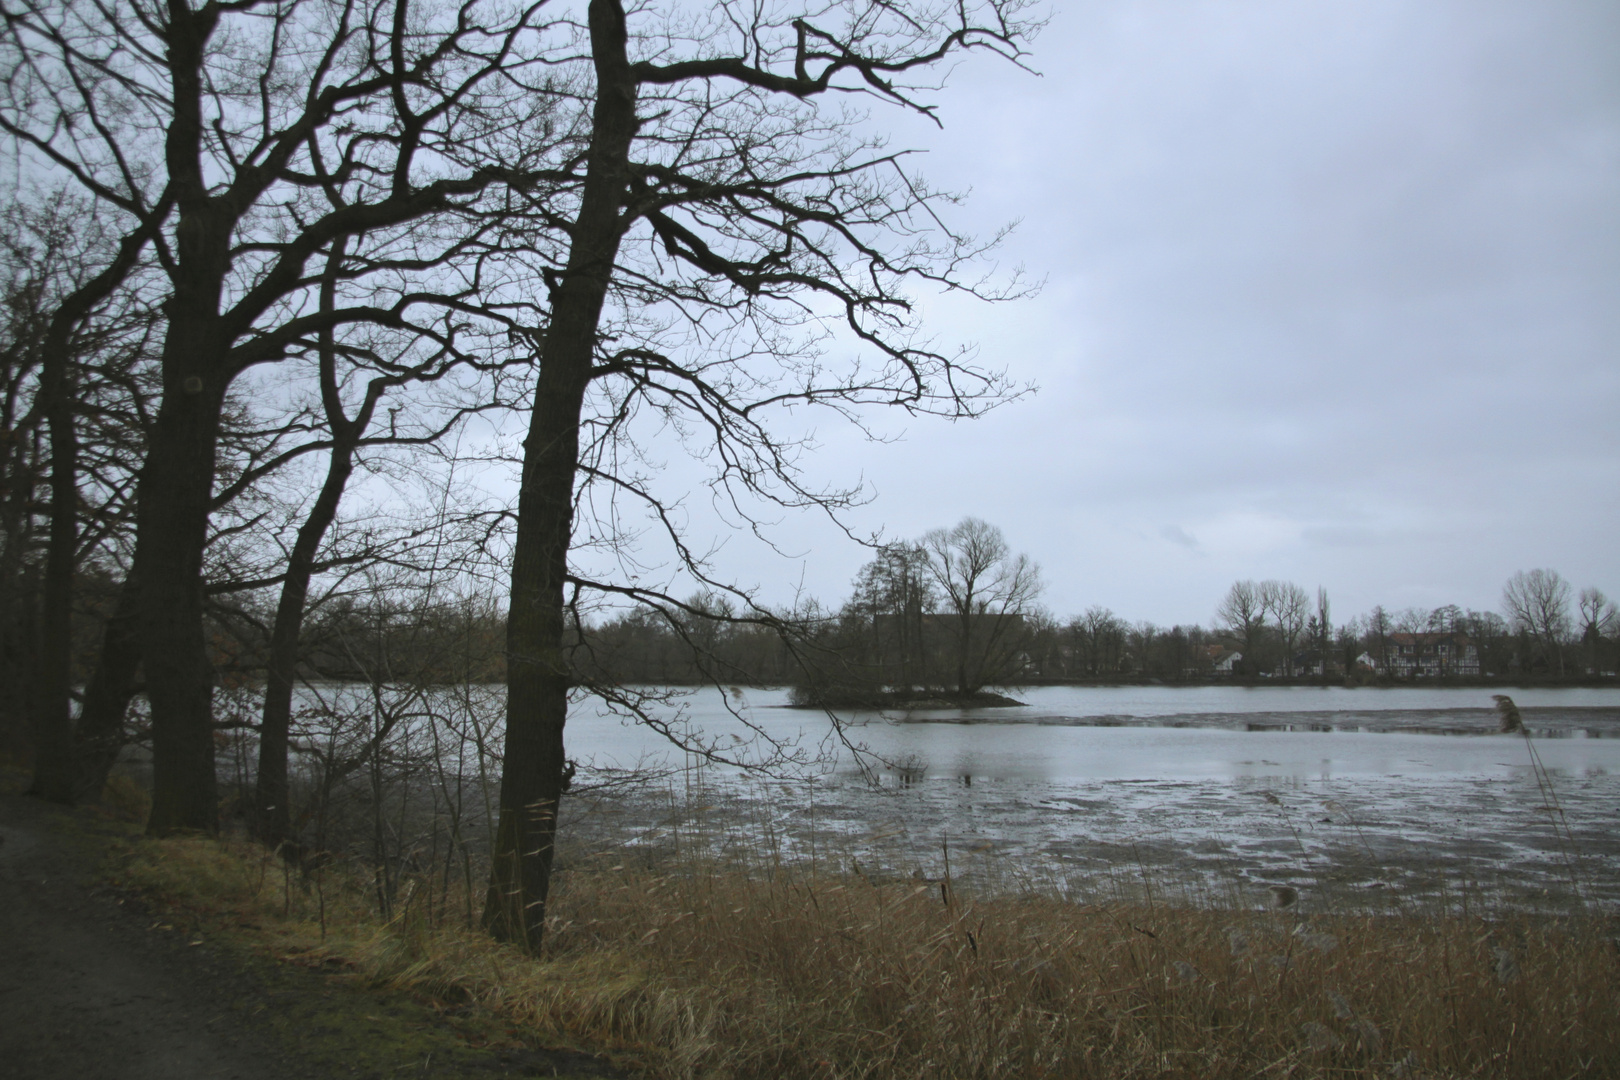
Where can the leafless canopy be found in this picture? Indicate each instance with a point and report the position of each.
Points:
(1537, 604)
(989, 592)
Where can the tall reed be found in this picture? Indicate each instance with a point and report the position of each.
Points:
(704, 962)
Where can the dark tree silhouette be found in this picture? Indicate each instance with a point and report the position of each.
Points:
(1242, 612)
(278, 133)
(721, 223)
(1537, 604)
(988, 593)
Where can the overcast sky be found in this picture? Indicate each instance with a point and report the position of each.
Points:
(1332, 295)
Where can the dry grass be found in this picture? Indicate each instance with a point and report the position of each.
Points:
(709, 970)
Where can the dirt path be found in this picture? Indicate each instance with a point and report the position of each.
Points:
(89, 990)
(94, 986)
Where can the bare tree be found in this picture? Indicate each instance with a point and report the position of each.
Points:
(892, 595)
(1242, 612)
(1289, 607)
(1143, 639)
(346, 437)
(1489, 633)
(988, 592)
(1323, 642)
(723, 224)
(1599, 619)
(1412, 620)
(84, 347)
(1537, 605)
(24, 469)
(1379, 627)
(276, 134)
(1096, 634)
(1445, 619)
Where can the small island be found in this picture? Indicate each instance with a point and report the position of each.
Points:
(865, 699)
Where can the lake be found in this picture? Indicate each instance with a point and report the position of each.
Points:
(1156, 732)
(1381, 794)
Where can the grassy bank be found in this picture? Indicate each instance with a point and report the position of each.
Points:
(693, 967)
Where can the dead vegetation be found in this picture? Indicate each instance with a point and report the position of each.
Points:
(697, 966)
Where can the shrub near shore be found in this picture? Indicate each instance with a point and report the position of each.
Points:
(696, 967)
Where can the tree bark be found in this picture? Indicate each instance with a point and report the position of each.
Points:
(176, 485)
(538, 676)
(100, 732)
(53, 727)
(271, 820)
(171, 530)
(21, 659)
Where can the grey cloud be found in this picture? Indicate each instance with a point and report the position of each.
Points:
(1351, 269)
(1177, 535)
(1345, 536)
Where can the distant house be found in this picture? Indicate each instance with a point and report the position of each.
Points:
(1429, 655)
(1223, 660)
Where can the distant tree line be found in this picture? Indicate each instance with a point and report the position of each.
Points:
(948, 614)
(955, 612)
(1545, 629)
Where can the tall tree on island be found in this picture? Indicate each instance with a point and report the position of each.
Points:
(892, 595)
(988, 592)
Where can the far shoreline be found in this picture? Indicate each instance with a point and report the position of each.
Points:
(887, 700)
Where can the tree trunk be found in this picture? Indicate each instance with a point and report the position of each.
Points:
(177, 479)
(964, 643)
(271, 820)
(537, 666)
(56, 768)
(53, 729)
(171, 530)
(18, 705)
(100, 733)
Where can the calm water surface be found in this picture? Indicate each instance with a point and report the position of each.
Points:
(1159, 733)
(1383, 795)
(1368, 792)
